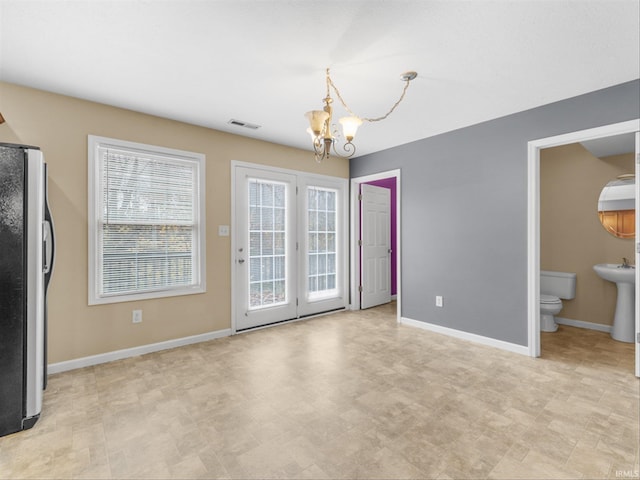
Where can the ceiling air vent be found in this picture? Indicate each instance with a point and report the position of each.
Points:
(240, 123)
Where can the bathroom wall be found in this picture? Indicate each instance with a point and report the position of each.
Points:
(464, 211)
(571, 236)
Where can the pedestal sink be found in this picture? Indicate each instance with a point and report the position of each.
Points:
(624, 323)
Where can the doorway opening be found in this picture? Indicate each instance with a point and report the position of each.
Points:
(534, 256)
(391, 181)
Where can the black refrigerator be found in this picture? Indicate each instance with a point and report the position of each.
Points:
(26, 261)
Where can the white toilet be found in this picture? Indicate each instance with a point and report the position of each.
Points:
(554, 286)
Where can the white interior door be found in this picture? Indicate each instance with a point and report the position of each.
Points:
(265, 247)
(375, 231)
(637, 262)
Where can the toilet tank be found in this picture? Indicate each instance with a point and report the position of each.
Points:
(560, 284)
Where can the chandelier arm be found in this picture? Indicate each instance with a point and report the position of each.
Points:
(319, 152)
(376, 119)
(320, 156)
(318, 147)
(349, 148)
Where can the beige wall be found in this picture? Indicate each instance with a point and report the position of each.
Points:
(59, 125)
(571, 237)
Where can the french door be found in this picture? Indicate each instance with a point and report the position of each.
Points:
(289, 245)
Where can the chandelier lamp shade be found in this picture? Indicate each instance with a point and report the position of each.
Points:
(324, 134)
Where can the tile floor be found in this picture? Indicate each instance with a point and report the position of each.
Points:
(352, 395)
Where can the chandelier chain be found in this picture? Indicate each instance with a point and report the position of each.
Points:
(344, 104)
(324, 135)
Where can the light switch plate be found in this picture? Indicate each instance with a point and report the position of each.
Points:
(223, 230)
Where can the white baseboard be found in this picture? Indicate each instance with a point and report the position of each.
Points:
(134, 351)
(472, 337)
(580, 324)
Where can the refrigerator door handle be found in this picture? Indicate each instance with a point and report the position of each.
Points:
(46, 233)
(49, 246)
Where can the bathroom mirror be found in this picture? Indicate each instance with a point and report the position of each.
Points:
(616, 206)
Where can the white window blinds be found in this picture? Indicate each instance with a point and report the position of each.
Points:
(147, 223)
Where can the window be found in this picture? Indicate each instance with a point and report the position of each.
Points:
(146, 221)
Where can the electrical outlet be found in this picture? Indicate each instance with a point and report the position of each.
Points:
(137, 316)
(439, 301)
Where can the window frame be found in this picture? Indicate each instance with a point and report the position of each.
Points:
(95, 143)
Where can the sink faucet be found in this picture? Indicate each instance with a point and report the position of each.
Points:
(625, 263)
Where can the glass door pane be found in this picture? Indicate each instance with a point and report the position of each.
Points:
(322, 227)
(267, 239)
(321, 230)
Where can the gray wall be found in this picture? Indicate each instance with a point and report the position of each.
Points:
(464, 211)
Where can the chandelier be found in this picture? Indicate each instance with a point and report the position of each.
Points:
(324, 133)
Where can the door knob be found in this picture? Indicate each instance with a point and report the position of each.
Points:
(241, 260)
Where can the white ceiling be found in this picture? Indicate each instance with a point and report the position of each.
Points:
(262, 62)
